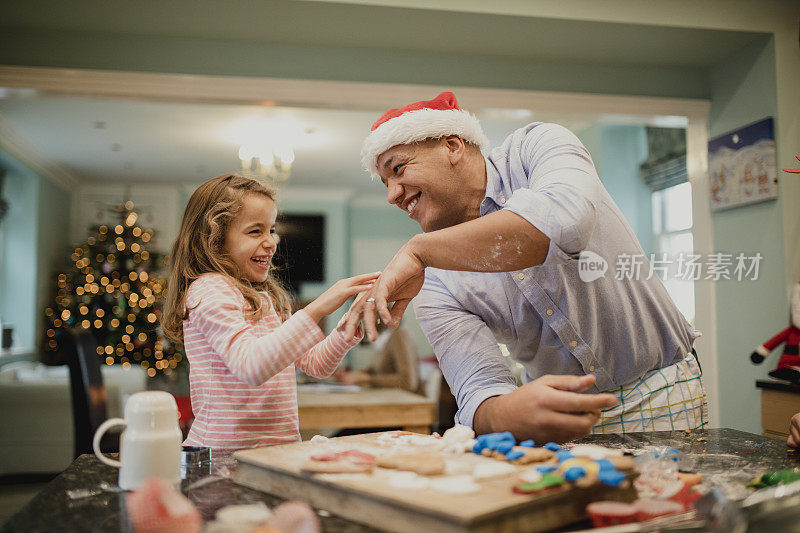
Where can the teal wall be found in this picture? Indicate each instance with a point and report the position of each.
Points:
(20, 253)
(32, 47)
(624, 148)
(748, 312)
(373, 221)
(53, 246)
(34, 246)
(381, 221)
(617, 152)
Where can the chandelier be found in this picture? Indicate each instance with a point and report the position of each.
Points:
(273, 163)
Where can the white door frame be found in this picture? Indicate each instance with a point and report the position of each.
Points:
(692, 113)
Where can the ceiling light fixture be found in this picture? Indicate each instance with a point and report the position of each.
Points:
(267, 162)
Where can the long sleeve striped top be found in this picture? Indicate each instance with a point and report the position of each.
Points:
(241, 374)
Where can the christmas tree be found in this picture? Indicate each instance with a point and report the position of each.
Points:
(112, 291)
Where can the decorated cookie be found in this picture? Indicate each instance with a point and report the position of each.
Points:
(455, 484)
(346, 462)
(335, 467)
(490, 469)
(690, 478)
(593, 451)
(548, 481)
(353, 456)
(532, 455)
(426, 464)
(626, 463)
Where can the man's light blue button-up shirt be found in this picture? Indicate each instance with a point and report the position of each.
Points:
(551, 321)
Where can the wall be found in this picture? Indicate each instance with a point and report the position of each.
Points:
(748, 312)
(53, 246)
(624, 148)
(18, 276)
(617, 152)
(377, 231)
(227, 58)
(31, 249)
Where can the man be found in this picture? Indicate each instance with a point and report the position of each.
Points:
(500, 262)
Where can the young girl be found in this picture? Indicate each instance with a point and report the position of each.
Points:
(234, 319)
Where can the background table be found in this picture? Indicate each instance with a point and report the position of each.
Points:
(779, 402)
(369, 408)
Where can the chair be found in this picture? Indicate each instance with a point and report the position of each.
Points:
(87, 390)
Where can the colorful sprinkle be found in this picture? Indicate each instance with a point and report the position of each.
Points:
(505, 447)
(605, 464)
(547, 481)
(514, 454)
(563, 455)
(574, 473)
(611, 478)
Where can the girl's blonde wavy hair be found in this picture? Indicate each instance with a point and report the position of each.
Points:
(199, 249)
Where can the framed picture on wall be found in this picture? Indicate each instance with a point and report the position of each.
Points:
(742, 166)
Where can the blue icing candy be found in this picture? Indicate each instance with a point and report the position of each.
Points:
(494, 441)
(514, 454)
(611, 477)
(527, 443)
(505, 447)
(563, 455)
(546, 468)
(552, 446)
(574, 473)
(605, 464)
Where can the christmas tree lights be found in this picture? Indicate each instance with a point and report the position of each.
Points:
(111, 291)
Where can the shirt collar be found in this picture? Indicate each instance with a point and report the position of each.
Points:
(495, 196)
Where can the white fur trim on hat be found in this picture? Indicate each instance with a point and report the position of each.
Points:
(415, 126)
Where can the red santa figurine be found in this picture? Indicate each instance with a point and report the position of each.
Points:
(789, 363)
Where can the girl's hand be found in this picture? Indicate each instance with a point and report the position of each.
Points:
(344, 289)
(400, 281)
(354, 378)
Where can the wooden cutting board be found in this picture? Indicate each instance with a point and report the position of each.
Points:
(370, 499)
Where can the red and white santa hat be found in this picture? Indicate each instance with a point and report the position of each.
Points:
(429, 119)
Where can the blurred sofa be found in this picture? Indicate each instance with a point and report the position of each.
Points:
(36, 432)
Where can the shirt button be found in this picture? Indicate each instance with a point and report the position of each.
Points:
(502, 199)
(573, 343)
(591, 368)
(549, 312)
(521, 275)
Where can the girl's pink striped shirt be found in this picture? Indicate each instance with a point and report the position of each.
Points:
(241, 374)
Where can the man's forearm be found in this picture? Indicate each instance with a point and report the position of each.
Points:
(482, 420)
(499, 242)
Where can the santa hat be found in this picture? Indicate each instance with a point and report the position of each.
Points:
(429, 119)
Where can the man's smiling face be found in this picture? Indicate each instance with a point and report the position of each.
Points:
(421, 180)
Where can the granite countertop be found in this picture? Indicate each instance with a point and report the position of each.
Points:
(725, 457)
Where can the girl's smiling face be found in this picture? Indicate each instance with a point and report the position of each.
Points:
(250, 240)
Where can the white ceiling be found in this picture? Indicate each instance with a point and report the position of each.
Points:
(140, 141)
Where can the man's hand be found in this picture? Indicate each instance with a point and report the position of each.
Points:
(398, 283)
(794, 432)
(546, 409)
(344, 289)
